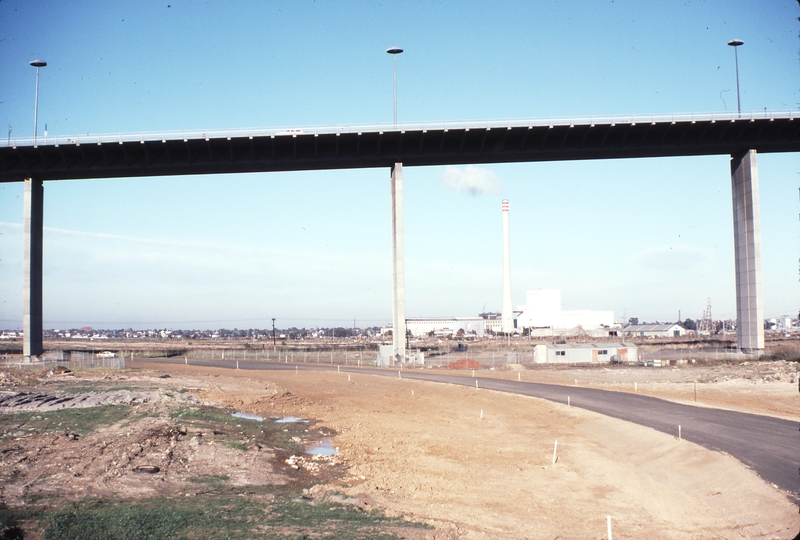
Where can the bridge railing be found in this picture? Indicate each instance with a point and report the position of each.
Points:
(119, 138)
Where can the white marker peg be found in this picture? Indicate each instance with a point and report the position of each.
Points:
(555, 447)
(608, 526)
(348, 377)
(481, 414)
(476, 384)
(519, 377)
(568, 403)
(679, 432)
(635, 387)
(237, 364)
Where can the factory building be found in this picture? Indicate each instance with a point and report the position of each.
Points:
(485, 323)
(543, 311)
(654, 330)
(446, 326)
(581, 353)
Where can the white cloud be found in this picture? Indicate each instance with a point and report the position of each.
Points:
(472, 180)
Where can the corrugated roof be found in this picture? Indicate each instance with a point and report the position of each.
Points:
(650, 327)
(589, 345)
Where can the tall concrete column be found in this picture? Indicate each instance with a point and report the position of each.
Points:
(33, 226)
(398, 272)
(507, 313)
(747, 248)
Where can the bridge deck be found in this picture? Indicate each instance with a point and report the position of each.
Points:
(346, 147)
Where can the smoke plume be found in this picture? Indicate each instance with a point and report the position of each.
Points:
(472, 180)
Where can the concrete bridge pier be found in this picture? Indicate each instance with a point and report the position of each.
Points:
(747, 250)
(33, 227)
(398, 271)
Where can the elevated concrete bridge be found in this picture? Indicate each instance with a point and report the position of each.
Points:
(740, 135)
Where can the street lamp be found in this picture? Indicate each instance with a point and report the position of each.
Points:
(37, 64)
(735, 44)
(394, 51)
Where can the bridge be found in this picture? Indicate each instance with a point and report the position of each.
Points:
(740, 135)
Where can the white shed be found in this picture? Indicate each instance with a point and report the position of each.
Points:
(590, 353)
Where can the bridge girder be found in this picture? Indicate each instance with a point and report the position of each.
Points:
(67, 159)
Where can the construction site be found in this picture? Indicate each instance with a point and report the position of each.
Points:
(153, 448)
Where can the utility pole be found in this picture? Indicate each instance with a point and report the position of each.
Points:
(273, 332)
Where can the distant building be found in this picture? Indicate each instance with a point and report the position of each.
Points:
(483, 324)
(580, 353)
(543, 310)
(654, 330)
(446, 326)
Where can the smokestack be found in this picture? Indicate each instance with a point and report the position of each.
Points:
(507, 316)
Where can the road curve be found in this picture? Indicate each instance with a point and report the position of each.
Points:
(770, 446)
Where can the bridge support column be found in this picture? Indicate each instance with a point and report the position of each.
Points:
(398, 272)
(747, 249)
(33, 226)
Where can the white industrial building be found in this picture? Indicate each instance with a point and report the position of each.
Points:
(483, 324)
(543, 311)
(446, 326)
(654, 330)
(580, 353)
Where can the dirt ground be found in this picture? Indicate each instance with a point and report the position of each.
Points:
(476, 464)
(479, 463)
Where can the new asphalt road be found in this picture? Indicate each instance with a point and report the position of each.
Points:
(770, 446)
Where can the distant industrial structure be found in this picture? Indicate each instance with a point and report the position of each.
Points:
(485, 323)
(542, 316)
(654, 330)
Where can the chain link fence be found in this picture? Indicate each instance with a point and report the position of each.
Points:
(499, 358)
(363, 357)
(73, 360)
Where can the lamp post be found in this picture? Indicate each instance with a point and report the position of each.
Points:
(37, 64)
(735, 44)
(394, 51)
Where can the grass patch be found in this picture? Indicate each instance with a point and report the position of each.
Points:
(224, 515)
(204, 414)
(228, 517)
(235, 445)
(210, 479)
(81, 421)
(337, 520)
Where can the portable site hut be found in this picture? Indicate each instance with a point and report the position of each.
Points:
(589, 353)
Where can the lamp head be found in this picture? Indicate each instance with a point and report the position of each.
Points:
(394, 50)
(735, 42)
(38, 63)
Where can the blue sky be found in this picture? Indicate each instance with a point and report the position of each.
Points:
(645, 238)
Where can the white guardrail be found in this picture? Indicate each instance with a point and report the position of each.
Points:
(111, 138)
